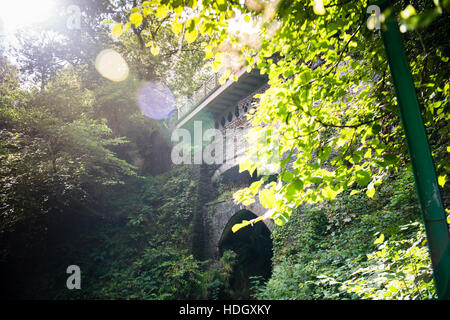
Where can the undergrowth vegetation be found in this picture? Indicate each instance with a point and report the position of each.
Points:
(142, 249)
(354, 248)
(86, 177)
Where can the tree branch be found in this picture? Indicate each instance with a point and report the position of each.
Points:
(343, 50)
(348, 125)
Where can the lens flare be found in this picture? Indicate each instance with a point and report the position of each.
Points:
(156, 101)
(111, 65)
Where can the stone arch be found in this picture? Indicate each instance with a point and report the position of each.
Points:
(218, 214)
(243, 214)
(252, 249)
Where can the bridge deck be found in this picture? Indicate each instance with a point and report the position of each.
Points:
(217, 98)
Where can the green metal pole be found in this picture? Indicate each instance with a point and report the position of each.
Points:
(430, 201)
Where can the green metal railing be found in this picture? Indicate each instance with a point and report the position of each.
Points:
(207, 87)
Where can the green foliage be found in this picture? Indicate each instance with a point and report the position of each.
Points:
(148, 258)
(219, 275)
(40, 55)
(141, 251)
(156, 274)
(69, 193)
(354, 247)
(67, 157)
(400, 269)
(336, 128)
(54, 155)
(151, 37)
(10, 93)
(330, 104)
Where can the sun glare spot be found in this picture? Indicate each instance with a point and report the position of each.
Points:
(111, 65)
(238, 25)
(156, 101)
(18, 14)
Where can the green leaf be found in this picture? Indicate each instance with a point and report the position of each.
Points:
(315, 179)
(222, 5)
(191, 36)
(245, 223)
(154, 50)
(408, 12)
(245, 165)
(162, 11)
(147, 11)
(375, 129)
(293, 188)
(305, 76)
(393, 289)
(363, 177)
(287, 176)
(208, 52)
(136, 18)
(267, 198)
(325, 153)
(442, 180)
(281, 219)
(390, 158)
(117, 30)
(206, 27)
(248, 202)
(238, 226)
(329, 193)
(177, 27)
(254, 187)
(370, 191)
(380, 239)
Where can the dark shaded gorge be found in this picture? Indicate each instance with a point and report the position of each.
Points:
(253, 248)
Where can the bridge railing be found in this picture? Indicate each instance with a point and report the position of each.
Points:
(207, 87)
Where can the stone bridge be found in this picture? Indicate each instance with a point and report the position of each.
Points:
(220, 216)
(223, 108)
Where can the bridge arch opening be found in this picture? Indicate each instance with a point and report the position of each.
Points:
(253, 248)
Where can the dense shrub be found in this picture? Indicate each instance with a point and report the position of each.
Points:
(354, 247)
